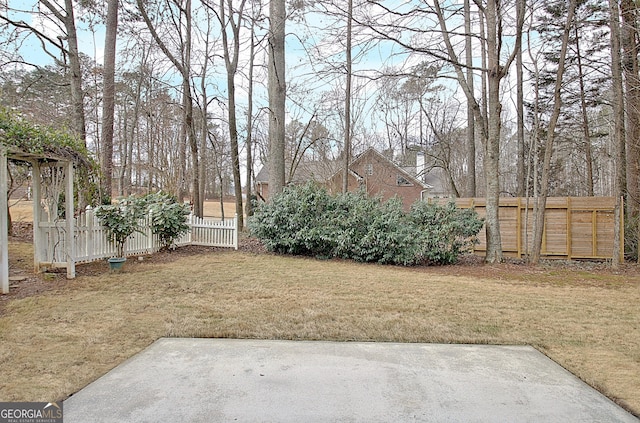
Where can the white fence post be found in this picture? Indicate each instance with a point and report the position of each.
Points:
(235, 231)
(88, 217)
(151, 247)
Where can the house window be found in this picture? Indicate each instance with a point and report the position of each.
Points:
(368, 169)
(402, 181)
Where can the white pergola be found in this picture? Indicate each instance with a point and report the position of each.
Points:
(38, 163)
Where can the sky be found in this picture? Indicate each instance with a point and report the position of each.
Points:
(304, 72)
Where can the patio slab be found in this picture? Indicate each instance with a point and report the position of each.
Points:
(225, 380)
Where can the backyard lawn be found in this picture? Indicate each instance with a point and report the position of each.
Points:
(58, 335)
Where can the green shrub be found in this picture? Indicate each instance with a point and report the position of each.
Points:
(168, 218)
(296, 221)
(307, 220)
(445, 230)
(374, 231)
(121, 220)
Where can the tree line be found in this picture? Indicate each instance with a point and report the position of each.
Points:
(528, 98)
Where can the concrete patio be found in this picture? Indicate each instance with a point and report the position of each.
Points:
(221, 380)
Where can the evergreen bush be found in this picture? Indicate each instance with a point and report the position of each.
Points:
(121, 220)
(168, 218)
(307, 220)
(445, 230)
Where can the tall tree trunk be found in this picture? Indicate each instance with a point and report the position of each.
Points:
(204, 128)
(520, 174)
(277, 94)
(629, 41)
(108, 97)
(541, 201)
(347, 103)
(492, 144)
(585, 119)
(249, 142)
(198, 203)
(77, 95)
(618, 112)
(471, 128)
(231, 63)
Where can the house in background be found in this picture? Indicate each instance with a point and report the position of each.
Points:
(371, 171)
(379, 176)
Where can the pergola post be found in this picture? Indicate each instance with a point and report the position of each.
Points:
(36, 182)
(4, 227)
(70, 222)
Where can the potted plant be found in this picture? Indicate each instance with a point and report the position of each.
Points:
(120, 220)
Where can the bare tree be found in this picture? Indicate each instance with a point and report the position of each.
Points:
(522, 181)
(277, 96)
(108, 97)
(541, 201)
(347, 100)
(618, 112)
(231, 53)
(182, 63)
(490, 122)
(255, 16)
(471, 128)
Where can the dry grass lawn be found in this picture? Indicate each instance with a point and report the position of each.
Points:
(54, 343)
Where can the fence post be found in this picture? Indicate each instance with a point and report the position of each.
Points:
(569, 229)
(70, 222)
(150, 243)
(88, 217)
(235, 231)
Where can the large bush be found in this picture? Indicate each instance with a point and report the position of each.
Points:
(445, 230)
(307, 220)
(298, 221)
(168, 218)
(372, 231)
(121, 220)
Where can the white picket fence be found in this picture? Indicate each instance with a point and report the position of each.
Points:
(91, 242)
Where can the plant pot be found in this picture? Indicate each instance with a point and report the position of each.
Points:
(115, 263)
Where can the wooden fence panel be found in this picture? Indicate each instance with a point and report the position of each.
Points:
(575, 227)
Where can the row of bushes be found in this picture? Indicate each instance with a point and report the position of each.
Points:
(307, 220)
(168, 218)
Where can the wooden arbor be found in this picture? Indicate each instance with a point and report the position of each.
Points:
(51, 176)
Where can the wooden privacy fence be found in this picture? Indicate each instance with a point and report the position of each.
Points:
(574, 227)
(91, 242)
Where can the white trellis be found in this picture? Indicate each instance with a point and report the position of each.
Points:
(50, 177)
(50, 180)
